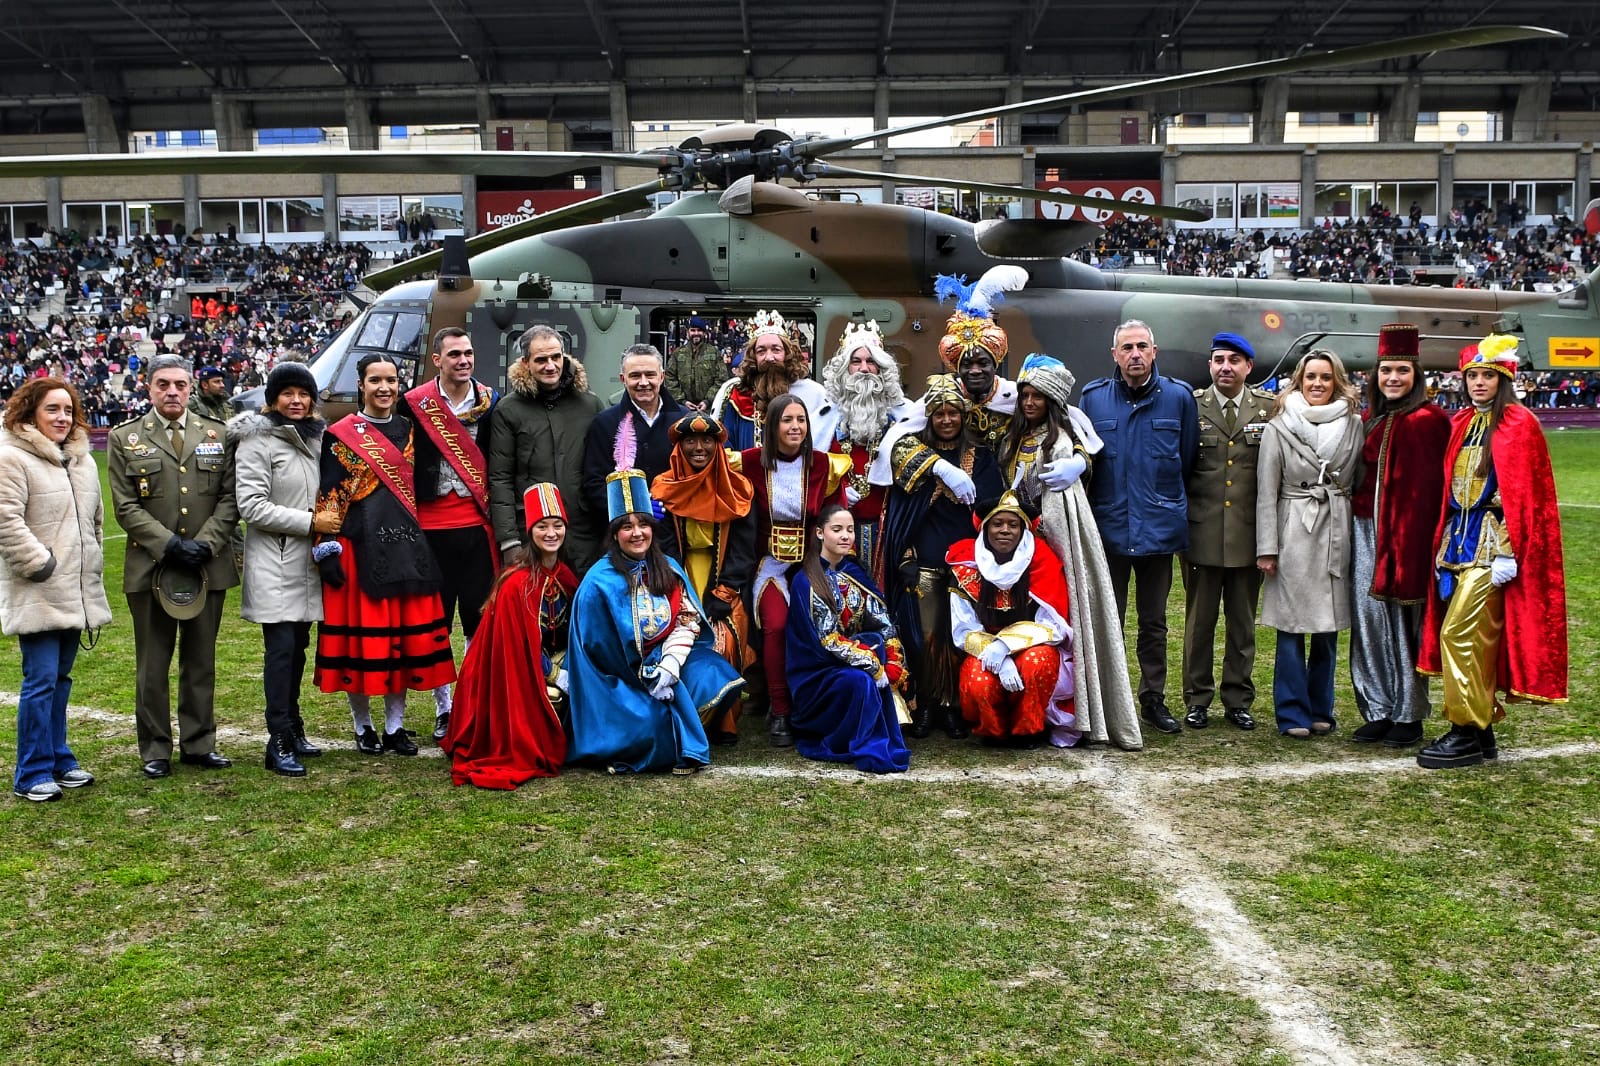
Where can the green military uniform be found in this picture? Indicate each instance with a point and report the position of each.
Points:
(694, 373)
(161, 491)
(1220, 564)
(212, 407)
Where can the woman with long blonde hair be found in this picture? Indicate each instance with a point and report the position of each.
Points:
(1310, 456)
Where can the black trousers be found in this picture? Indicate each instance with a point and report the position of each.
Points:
(466, 572)
(1153, 576)
(283, 670)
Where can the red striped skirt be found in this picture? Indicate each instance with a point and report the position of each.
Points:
(378, 647)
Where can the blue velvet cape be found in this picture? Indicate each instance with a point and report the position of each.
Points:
(840, 714)
(616, 723)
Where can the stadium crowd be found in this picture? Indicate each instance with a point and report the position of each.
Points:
(845, 564)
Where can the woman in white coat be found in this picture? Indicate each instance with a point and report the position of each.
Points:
(277, 451)
(1309, 461)
(52, 583)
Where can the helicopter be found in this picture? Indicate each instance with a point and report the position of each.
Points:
(740, 239)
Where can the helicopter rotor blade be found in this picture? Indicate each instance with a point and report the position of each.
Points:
(1129, 207)
(620, 202)
(1467, 37)
(481, 164)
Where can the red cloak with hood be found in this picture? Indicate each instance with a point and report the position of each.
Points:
(1047, 581)
(1533, 653)
(1403, 488)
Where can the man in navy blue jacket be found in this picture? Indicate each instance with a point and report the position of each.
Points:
(1151, 432)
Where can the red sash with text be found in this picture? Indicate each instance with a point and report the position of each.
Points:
(453, 440)
(381, 456)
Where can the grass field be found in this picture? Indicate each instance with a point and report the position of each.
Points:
(1220, 897)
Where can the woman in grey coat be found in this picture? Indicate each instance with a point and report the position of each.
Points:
(1310, 455)
(277, 451)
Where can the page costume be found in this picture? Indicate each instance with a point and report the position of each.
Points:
(623, 637)
(506, 727)
(1032, 629)
(845, 667)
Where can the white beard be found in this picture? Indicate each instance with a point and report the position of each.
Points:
(863, 399)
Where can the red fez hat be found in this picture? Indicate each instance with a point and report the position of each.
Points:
(541, 501)
(1399, 340)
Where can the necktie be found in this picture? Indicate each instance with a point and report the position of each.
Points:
(177, 439)
(1230, 414)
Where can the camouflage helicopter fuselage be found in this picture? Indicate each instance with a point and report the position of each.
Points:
(827, 263)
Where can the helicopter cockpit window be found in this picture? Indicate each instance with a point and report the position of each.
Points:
(397, 333)
(406, 337)
(375, 333)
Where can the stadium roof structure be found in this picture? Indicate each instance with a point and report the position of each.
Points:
(164, 63)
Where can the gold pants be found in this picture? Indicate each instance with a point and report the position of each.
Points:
(1469, 648)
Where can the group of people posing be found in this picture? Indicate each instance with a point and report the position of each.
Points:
(847, 564)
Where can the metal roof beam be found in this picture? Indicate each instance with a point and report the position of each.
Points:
(610, 43)
(188, 60)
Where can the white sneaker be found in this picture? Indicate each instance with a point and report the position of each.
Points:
(76, 777)
(43, 792)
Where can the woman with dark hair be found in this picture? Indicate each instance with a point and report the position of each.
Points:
(383, 631)
(1396, 507)
(1044, 458)
(792, 482)
(512, 696)
(845, 663)
(645, 672)
(276, 454)
(1498, 619)
(52, 583)
(1310, 455)
(938, 471)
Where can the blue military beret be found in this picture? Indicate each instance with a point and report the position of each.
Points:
(1233, 343)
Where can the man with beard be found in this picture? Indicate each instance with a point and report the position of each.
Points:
(773, 365)
(632, 434)
(696, 369)
(972, 349)
(864, 399)
(537, 435)
(451, 413)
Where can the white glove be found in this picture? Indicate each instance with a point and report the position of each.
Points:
(883, 679)
(664, 687)
(851, 496)
(1010, 680)
(1502, 570)
(1063, 473)
(561, 680)
(994, 656)
(956, 480)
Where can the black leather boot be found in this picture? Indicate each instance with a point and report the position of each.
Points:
(778, 731)
(1457, 748)
(1487, 743)
(303, 748)
(921, 721)
(955, 726)
(281, 757)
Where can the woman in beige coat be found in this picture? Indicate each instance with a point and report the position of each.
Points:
(52, 583)
(1310, 455)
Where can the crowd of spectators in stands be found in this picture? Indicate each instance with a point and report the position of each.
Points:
(220, 303)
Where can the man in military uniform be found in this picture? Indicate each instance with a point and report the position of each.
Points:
(1220, 564)
(172, 487)
(211, 394)
(695, 369)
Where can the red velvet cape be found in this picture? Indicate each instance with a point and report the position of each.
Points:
(1533, 660)
(1047, 580)
(503, 730)
(1404, 461)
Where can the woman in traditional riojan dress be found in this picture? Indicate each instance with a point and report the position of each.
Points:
(1497, 621)
(383, 630)
(845, 663)
(644, 671)
(1044, 458)
(512, 697)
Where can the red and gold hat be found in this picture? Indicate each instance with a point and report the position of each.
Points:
(542, 501)
(1399, 340)
(1498, 351)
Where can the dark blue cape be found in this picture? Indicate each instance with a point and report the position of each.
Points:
(840, 714)
(615, 721)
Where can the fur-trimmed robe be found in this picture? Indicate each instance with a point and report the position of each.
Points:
(1402, 485)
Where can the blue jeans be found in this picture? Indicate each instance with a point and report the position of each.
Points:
(1302, 684)
(42, 752)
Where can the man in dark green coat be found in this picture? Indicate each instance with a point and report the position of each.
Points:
(537, 434)
(695, 369)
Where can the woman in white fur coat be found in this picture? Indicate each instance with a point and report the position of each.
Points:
(52, 583)
(1044, 458)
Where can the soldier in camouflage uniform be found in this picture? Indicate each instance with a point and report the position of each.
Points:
(695, 369)
(211, 394)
